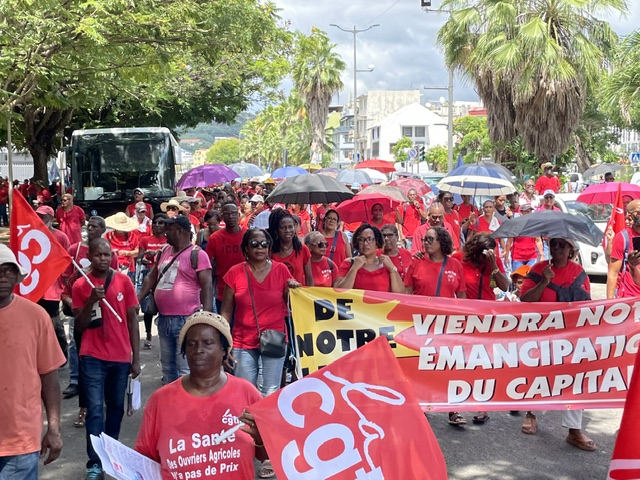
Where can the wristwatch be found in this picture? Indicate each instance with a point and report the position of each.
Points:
(394, 269)
(495, 271)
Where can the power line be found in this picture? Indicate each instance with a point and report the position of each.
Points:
(383, 13)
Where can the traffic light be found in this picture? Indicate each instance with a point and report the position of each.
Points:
(425, 3)
(422, 154)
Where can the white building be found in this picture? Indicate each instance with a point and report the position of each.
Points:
(421, 125)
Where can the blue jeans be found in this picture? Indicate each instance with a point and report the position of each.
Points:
(74, 367)
(24, 467)
(3, 214)
(516, 264)
(174, 365)
(104, 383)
(263, 372)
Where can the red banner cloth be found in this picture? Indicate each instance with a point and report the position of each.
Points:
(625, 461)
(36, 249)
(618, 221)
(357, 418)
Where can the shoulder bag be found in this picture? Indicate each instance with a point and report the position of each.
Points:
(150, 306)
(272, 342)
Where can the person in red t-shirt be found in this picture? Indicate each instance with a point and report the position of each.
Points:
(305, 219)
(138, 196)
(224, 249)
(562, 271)
(410, 216)
(324, 270)
(110, 345)
(466, 209)
(71, 218)
(210, 402)
(451, 217)
(547, 181)
(523, 250)
(4, 199)
(144, 222)
(124, 242)
(435, 218)
(620, 283)
(287, 247)
(401, 257)
(338, 244)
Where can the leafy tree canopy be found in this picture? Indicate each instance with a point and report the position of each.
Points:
(225, 151)
(399, 149)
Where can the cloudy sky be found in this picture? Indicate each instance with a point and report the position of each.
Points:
(402, 48)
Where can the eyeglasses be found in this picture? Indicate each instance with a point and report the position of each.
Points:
(429, 240)
(321, 244)
(436, 217)
(366, 239)
(388, 235)
(447, 199)
(331, 219)
(256, 244)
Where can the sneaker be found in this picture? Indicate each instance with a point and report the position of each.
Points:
(95, 472)
(147, 345)
(71, 391)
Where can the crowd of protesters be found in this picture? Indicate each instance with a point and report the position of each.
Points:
(199, 266)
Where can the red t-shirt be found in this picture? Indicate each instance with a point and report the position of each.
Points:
(224, 249)
(402, 261)
(24, 187)
(55, 290)
(626, 285)
(4, 194)
(173, 415)
(453, 219)
(411, 217)
(131, 209)
(71, 222)
(378, 280)
(423, 277)
(269, 302)
(464, 211)
(418, 235)
(473, 274)
(323, 274)
(110, 342)
(340, 253)
(305, 221)
(154, 244)
(127, 243)
(295, 262)
(524, 249)
(547, 183)
(565, 277)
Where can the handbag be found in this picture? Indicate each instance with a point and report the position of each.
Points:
(272, 343)
(149, 305)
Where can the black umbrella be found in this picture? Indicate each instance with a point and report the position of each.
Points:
(551, 224)
(310, 189)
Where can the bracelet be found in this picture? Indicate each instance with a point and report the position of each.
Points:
(495, 271)
(395, 269)
(258, 445)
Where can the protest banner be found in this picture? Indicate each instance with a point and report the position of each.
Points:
(480, 355)
(355, 419)
(36, 249)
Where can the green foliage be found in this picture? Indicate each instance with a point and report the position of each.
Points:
(207, 132)
(399, 147)
(473, 138)
(437, 158)
(225, 151)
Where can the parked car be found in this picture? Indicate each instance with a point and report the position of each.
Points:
(591, 258)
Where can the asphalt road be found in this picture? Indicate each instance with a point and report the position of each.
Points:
(494, 451)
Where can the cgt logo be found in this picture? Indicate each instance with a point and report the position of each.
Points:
(35, 248)
(331, 447)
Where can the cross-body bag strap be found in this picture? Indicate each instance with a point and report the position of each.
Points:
(253, 302)
(480, 284)
(333, 246)
(439, 284)
(164, 270)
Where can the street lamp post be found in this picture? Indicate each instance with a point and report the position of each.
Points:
(355, 32)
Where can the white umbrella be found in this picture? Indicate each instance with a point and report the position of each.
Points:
(376, 176)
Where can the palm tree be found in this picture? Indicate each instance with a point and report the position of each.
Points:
(316, 75)
(533, 62)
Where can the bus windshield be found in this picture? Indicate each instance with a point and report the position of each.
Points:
(110, 165)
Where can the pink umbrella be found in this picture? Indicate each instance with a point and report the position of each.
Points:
(605, 193)
(358, 209)
(406, 184)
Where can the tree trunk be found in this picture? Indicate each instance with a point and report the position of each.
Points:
(583, 161)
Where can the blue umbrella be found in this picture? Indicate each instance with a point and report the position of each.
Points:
(206, 175)
(246, 170)
(287, 172)
(350, 176)
(482, 178)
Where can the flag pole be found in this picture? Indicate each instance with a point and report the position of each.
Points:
(79, 268)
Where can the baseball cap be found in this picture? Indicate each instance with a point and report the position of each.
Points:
(138, 190)
(7, 256)
(526, 206)
(549, 192)
(45, 210)
(257, 198)
(181, 220)
(141, 207)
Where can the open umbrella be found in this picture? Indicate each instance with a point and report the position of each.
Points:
(551, 224)
(312, 189)
(358, 209)
(376, 176)
(331, 172)
(388, 191)
(605, 193)
(602, 169)
(311, 167)
(406, 184)
(482, 178)
(382, 166)
(287, 172)
(246, 170)
(206, 175)
(350, 176)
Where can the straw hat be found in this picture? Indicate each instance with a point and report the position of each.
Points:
(172, 203)
(182, 196)
(121, 222)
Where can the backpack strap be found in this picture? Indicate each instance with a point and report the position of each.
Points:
(333, 245)
(579, 281)
(439, 284)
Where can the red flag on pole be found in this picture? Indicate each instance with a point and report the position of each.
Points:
(36, 249)
(625, 461)
(618, 221)
(354, 419)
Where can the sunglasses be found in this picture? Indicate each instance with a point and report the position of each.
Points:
(321, 244)
(436, 217)
(171, 209)
(447, 199)
(429, 240)
(256, 244)
(559, 244)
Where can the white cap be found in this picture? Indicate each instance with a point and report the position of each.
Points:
(7, 256)
(257, 198)
(549, 192)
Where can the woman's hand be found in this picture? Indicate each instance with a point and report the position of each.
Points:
(418, 255)
(634, 258)
(229, 363)
(548, 274)
(292, 283)
(490, 255)
(358, 262)
(386, 261)
(251, 427)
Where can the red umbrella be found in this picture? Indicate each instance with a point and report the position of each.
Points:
(406, 184)
(376, 164)
(358, 209)
(605, 193)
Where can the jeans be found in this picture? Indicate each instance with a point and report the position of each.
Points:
(24, 467)
(74, 367)
(105, 383)
(263, 372)
(3, 214)
(515, 264)
(174, 365)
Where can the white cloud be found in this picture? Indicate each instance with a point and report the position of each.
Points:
(403, 48)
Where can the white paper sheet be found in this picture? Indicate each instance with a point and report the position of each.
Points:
(122, 462)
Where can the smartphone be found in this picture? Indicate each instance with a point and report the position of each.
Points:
(636, 243)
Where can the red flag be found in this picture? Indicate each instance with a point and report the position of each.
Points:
(36, 248)
(625, 461)
(356, 418)
(618, 221)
